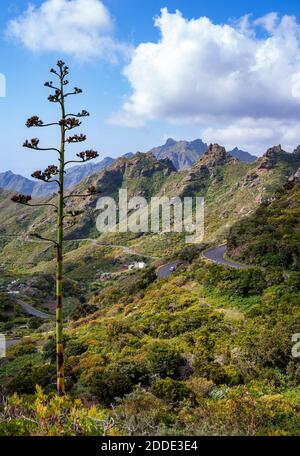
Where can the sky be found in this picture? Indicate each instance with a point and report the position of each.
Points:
(223, 71)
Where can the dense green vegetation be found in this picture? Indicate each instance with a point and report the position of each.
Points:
(207, 351)
(271, 236)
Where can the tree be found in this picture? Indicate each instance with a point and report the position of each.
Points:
(56, 173)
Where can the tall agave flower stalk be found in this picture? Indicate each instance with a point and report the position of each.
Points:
(56, 173)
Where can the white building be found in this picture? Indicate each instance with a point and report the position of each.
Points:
(137, 265)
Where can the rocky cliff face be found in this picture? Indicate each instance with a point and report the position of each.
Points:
(207, 170)
(214, 156)
(138, 173)
(276, 154)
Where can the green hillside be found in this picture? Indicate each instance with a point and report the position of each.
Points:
(206, 351)
(271, 236)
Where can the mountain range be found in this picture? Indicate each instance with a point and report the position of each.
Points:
(232, 190)
(183, 155)
(74, 175)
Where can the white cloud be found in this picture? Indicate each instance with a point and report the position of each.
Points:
(210, 74)
(268, 22)
(254, 135)
(81, 28)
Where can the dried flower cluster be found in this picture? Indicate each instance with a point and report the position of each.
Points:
(76, 138)
(70, 123)
(21, 199)
(63, 67)
(47, 175)
(88, 155)
(32, 143)
(56, 97)
(34, 121)
(83, 113)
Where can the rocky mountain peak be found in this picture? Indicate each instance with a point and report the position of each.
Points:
(170, 142)
(272, 151)
(216, 155)
(271, 157)
(182, 153)
(276, 154)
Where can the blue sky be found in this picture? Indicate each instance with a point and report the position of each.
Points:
(173, 87)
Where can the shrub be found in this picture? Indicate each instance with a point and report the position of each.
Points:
(82, 310)
(75, 348)
(142, 413)
(31, 375)
(50, 415)
(34, 323)
(172, 390)
(164, 360)
(23, 348)
(116, 380)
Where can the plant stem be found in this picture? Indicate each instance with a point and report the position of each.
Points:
(60, 214)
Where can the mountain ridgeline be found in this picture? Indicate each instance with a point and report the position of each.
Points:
(74, 175)
(183, 155)
(232, 190)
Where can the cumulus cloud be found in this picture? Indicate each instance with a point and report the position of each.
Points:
(222, 75)
(268, 22)
(81, 28)
(254, 135)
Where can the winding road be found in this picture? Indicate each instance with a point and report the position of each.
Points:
(216, 254)
(126, 249)
(32, 311)
(166, 269)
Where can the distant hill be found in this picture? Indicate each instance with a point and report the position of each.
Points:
(16, 182)
(74, 175)
(242, 155)
(184, 154)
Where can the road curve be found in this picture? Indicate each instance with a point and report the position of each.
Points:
(32, 311)
(166, 269)
(216, 254)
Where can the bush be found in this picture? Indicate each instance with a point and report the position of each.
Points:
(164, 360)
(23, 348)
(172, 390)
(82, 310)
(74, 348)
(116, 380)
(31, 375)
(34, 323)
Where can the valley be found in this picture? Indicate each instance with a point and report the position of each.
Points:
(198, 341)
